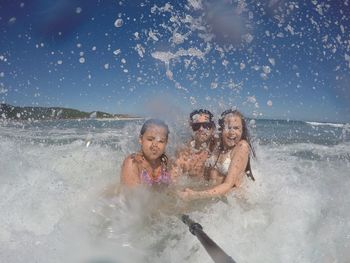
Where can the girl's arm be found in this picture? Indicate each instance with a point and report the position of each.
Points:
(235, 173)
(130, 172)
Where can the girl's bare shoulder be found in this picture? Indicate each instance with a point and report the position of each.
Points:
(242, 147)
(133, 159)
(243, 144)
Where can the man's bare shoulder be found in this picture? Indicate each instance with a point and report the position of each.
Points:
(184, 150)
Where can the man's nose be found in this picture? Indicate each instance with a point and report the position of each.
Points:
(201, 128)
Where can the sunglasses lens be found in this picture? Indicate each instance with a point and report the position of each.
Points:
(196, 126)
(205, 125)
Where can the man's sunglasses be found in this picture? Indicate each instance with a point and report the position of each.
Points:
(198, 125)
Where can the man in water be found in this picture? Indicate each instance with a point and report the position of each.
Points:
(191, 159)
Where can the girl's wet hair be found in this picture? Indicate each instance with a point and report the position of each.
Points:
(245, 134)
(155, 122)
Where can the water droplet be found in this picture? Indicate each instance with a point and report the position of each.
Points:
(118, 22)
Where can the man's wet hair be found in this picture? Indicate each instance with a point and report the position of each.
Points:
(201, 111)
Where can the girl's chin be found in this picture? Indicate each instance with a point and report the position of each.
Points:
(152, 157)
(230, 144)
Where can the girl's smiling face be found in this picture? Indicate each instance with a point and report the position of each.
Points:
(232, 130)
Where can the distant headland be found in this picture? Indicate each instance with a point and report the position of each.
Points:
(55, 113)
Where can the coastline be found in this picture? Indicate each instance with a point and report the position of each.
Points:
(2, 120)
(117, 119)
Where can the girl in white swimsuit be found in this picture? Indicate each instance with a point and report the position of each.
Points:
(221, 167)
(222, 164)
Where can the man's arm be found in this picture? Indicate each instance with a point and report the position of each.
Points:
(177, 167)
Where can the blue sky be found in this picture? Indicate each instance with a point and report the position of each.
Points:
(271, 59)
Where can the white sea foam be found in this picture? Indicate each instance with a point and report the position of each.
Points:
(338, 125)
(53, 211)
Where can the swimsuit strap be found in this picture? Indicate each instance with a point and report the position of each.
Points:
(165, 176)
(145, 177)
(162, 178)
(212, 162)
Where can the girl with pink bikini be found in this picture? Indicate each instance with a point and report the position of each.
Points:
(149, 165)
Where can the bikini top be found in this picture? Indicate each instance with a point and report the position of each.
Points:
(163, 177)
(222, 168)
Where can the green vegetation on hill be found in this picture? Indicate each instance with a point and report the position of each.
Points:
(48, 113)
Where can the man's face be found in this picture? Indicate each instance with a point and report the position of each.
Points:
(202, 127)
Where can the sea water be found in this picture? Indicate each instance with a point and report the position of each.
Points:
(56, 205)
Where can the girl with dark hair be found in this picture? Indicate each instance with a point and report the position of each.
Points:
(149, 165)
(230, 164)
